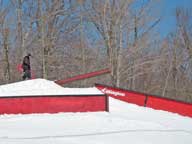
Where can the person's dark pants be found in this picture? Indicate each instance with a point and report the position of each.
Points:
(27, 75)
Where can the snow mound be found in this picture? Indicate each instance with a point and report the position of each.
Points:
(126, 123)
(37, 87)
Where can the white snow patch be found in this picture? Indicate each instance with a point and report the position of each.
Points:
(37, 87)
(125, 123)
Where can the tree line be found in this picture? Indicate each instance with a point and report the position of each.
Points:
(71, 37)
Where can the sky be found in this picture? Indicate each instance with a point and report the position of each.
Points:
(167, 23)
(167, 9)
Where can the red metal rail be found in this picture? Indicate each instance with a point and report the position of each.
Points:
(147, 100)
(83, 76)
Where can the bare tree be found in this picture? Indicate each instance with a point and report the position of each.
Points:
(5, 36)
(50, 20)
(112, 19)
(107, 18)
(7, 73)
(19, 29)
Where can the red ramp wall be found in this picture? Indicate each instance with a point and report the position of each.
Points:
(142, 99)
(124, 95)
(170, 105)
(53, 104)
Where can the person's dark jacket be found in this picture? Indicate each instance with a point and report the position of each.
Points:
(26, 63)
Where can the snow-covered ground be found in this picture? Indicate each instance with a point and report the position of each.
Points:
(37, 87)
(125, 123)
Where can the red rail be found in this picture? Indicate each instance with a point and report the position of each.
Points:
(147, 100)
(83, 76)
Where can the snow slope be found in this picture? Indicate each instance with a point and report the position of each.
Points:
(37, 87)
(125, 123)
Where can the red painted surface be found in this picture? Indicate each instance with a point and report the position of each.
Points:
(52, 104)
(124, 95)
(82, 76)
(182, 108)
(19, 68)
(142, 99)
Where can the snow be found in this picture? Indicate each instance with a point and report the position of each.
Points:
(125, 123)
(37, 87)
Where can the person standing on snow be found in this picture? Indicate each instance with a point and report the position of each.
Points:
(26, 67)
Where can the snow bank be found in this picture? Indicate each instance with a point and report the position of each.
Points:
(37, 87)
(126, 123)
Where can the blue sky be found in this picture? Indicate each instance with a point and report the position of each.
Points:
(167, 9)
(167, 23)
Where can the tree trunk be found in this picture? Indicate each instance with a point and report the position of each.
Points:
(133, 80)
(19, 30)
(83, 55)
(44, 48)
(119, 55)
(174, 72)
(7, 74)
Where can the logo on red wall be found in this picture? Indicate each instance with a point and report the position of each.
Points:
(111, 92)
